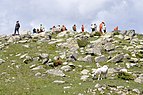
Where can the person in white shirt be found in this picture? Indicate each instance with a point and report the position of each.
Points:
(93, 27)
(103, 27)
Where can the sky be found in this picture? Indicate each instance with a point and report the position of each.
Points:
(126, 14)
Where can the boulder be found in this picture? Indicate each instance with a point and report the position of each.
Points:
(1, 61)
(84, 77)
(116, 58)
(88, 59)
(44, 56)
(56, 72)
(59, 82)
(37, 68)
(84, 72)
(62, 34)
(139, 79)
(95, 51)
(66, 68)
(136, 91)
(101, 58)
(109, 46)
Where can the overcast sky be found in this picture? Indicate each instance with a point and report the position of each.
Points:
(127, 14)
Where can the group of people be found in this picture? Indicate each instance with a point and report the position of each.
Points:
(60, 28)
(41, 29)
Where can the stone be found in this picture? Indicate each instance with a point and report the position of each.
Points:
(139, 80)
(45, 61)
(135, 60)
(37, 68)
(38, 74)
(59, 82)
(27, 59)
(71, 65)
(62, 34)
(116, 58)
(84, 77)
(13, 39)
(23, 56)
(67, 87)
(119, 36)
(84, 72)
(66, 68)
(98, 85)
(26, 46)
(127, 38)
(23, 41)
(93, 51)
(44, 56)
(2, 61)
(88, 59)
(32, 66)
(109, 46)
(101, 58)
(136, 91)
(56, 72)
(129, 65)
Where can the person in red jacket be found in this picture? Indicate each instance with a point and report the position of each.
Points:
(116, 28)
(82, 28)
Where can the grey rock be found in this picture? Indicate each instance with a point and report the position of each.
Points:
(101, 58)
(44, 56)
(56, 72)
(139, 79)
(84, 77)
(98, 85)
(127, 38)
(71, 65)
(23, 56)
(135, 60)
(26, 46)
(119, 36)
(27, 59)
(109, 46)
(38, 74)
(59, 82)
(66, 68)
(1, 61)
(84, 72)
(136, 91)
(88, 59)
(129, 65)
(45, 61)
(96, 51)
(116, 58)
(23, 41)
(37, 68)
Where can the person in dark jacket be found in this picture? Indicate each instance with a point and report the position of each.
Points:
(17, 26)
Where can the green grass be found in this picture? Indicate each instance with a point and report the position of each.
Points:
(21, 81)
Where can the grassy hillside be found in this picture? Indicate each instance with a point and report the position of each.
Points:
(17, 78)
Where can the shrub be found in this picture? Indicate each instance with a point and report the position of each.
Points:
(82, 42)
(125, 76)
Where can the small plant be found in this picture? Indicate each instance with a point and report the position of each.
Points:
(125, 76)
(82, 42)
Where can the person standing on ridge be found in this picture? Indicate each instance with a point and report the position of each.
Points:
(116, 28)
(74, 27)
(93, 27)
(104, 27)
(82, 28)
(17, 26)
